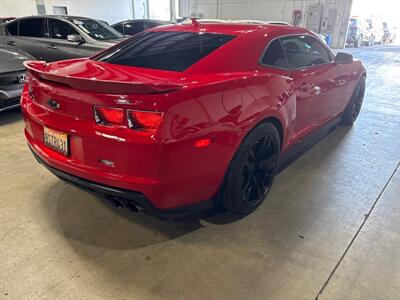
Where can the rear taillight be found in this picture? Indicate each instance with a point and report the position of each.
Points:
(144, 120)
(148, 121)
(109, 116)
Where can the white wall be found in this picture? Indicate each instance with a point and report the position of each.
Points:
(268, 10)
(111, 11)
(160, 9)
(141, 9)
(17, 8)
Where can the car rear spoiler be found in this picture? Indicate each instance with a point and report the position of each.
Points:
(37, 69)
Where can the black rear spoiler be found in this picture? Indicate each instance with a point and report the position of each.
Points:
(37, 69)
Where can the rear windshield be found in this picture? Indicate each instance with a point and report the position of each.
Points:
(166, 50)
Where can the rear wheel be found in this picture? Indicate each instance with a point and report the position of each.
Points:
(252, 170)
(353, 108)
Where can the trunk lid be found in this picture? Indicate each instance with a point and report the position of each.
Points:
(73, 87)
(88, 75)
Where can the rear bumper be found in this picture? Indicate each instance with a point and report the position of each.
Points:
(119, 198)
(9, 104)
(169, 175)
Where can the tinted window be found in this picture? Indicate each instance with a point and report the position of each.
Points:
(172, 51)
(31, 27)
(12, 28)
(152, 24)
(96, 29)
(60, 29)
(134, 28)
(305, 51)
(274, 55)
(119, 28)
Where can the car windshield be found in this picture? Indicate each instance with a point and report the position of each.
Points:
(97, 30)
(165, 50)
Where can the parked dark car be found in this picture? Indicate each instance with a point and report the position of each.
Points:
(53, 38)
(12, 76)
(132, 27)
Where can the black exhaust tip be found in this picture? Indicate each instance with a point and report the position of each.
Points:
(114, 201)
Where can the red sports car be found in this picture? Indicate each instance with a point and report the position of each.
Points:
(182, 118)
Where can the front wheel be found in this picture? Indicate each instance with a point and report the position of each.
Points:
(353, 108)
(252, 170)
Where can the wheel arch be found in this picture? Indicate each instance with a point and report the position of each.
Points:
(278, 125)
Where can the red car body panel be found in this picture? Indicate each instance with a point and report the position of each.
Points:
(220, 98)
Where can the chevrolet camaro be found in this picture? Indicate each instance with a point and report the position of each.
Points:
(183, 118)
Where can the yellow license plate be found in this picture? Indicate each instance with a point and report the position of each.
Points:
(56, 140)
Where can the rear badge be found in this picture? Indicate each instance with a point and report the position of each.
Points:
(107, 162)
(123, 100)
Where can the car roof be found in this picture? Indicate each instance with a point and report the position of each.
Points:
(162, 22)
(233, 28)
(65, 17)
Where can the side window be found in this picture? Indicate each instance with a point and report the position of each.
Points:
(134, 28)
(151, 24)
(31, 27)
(60, 30)
(12, 28)
(305, 51)
(119, 28)
(274, 56)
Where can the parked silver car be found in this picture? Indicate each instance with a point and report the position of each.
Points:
(53, 38)
(12, 76)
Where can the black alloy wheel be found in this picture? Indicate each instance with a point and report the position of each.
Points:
(353, 109)
(259, 169)
(252, 170)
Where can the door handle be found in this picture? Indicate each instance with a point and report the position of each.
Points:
(52, 47)
(12, 43)
(316, 90)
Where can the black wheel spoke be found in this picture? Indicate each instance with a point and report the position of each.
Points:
(251, 159)
(258, 186)
(267, 163)
(263, 146)
(258, 168)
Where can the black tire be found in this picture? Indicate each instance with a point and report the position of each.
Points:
(252, 170)
(352, 110)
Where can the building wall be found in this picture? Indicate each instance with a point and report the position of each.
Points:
(111, 11)
(277, 10)
(17, 8)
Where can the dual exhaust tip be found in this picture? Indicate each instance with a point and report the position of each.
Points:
(119, 202)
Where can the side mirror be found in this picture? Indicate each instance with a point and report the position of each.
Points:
(343, 58)
(75, 38)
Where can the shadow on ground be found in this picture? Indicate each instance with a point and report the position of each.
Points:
(92, 220)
